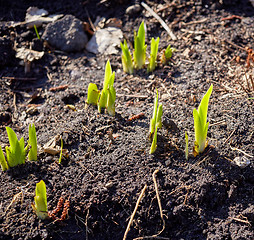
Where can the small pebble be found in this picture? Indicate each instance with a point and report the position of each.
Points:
(241, 162)
(168, 162)
(133, 9)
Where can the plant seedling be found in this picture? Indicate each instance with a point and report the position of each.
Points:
(155, 123)
(200, 124)
(16, 152)
(40, 207)
(32, 155)
(3, 162)
(167, 54)
(139, 47)
(153, 55)
(126, 58)
(36, 31)
(61, 152)
(93, 94)
(108, 93)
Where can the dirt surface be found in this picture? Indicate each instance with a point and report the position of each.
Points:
(206, 197)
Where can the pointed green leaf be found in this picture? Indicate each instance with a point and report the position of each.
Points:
(153, 54)
(203, 106)
(32, 155)
(159, 115)
(41, 200)
(140, 47)
(154, 143)
(111, 101)
(3, 162)
(103, 100)
(15, 154)
(200, 124)
(20, 153)
(61, 152)
(153, 120)
(12, 137)
(126, 58)
(92, 94)
(142, 33)
(111, 80)
(107, 76)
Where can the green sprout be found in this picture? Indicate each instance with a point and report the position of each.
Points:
(40, 207)
(153, 55)
(3, 162)
(93, 94)
(167, 54)
(126, 58)
(186, 146)
(107, 97)
(36, 31)
(16, 152)
(61, 152)
(139, 47)
(108, 93)
(32, 155)
(155, 123)
(200, 124)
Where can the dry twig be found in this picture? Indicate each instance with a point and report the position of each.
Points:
(134, 212)
(163, 24)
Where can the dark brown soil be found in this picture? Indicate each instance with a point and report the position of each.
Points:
(207, 197)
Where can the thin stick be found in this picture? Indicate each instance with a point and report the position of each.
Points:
(159, 201)
(157, 193)
(233, 44)
(196, 22)
(134, 212)
(90, 21)
(252, 82)
(86, 224)
(15, 197)
(163, 85)
(241, 151)
(131, 95)
(230, 135)
(163, 24)
(218, 123)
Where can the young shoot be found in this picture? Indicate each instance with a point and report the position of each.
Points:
(32, 155)
(139, 47)
(155, 123)
(167, 54)
(108, 94)
(153, 54)
(16, 152)
(126, 58)
(93, 94)
(36, 31)
(40, 201)
(3, 162)
(61, 152)
(200, 124)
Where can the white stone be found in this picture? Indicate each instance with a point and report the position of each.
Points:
(105, 41)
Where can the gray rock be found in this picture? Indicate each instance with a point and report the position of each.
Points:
(105, 41)
(133, 9)
(66, 34)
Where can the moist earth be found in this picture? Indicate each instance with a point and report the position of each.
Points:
(204, 197)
